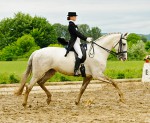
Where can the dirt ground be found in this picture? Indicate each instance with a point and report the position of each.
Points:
(96, 106)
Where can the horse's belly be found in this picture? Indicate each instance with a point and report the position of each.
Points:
(53, 58)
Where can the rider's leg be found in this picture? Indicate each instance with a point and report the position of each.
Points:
(79, 52)
(77, 64)
(77, 48)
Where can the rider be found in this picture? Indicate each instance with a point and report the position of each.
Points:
(74, 42)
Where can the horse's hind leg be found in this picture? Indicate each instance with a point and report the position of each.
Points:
(85, 83)
(28, 89)
(47, 76)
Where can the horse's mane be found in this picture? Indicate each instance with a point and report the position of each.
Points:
(108, 34)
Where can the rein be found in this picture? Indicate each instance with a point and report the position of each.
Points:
(92, 52)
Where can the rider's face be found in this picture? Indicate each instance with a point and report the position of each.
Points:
(73, 18)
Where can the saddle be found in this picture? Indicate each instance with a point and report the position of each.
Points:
(83, 49)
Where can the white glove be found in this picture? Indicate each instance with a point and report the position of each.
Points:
(89, 39)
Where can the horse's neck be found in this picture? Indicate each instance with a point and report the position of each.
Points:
(107, 42)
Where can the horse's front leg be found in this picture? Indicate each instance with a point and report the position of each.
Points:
(119, 92)
(117, 88)
(110, 81)
(85, 83)
(47, 92)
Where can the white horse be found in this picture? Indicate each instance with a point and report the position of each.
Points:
(44, 63)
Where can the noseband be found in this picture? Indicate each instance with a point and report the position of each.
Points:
(119, 53)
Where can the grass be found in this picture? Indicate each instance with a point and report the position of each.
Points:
(16, 67)
(127, 69)
(11, 72)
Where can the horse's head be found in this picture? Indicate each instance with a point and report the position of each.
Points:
(114, 40)
(121, 47)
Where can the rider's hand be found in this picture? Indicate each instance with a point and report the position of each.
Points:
(89, 39)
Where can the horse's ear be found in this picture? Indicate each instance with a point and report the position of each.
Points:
(125, 35)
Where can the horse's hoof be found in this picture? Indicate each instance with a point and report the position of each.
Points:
(24, 105)
(48, 101)
(77, 103)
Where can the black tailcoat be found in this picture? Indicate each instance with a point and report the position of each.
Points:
(74, 33)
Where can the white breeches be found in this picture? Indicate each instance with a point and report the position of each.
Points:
(77, 48)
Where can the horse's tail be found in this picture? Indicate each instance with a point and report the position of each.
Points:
(25, 76)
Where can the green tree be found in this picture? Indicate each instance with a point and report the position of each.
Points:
(25, 44)
(95, 32)
(13, 28)
(85, 29)
(133, 39)
(143, 38)
(6, 32)
(9, 53)
(147, 45)
(21, 24)
(61, 31)
(137, 51)
(22, 48)
(43, 32)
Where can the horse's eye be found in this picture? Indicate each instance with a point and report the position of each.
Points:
(123, 44)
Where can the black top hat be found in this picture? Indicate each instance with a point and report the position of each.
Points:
(72, 14)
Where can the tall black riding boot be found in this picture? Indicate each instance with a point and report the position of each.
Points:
(77, 64)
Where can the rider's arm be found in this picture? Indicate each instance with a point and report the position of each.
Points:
(76, 32)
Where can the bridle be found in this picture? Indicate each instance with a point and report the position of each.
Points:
(119, 53)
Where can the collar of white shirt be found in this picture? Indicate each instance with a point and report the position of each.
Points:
(71, 21)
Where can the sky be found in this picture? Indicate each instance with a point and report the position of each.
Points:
(131, 16)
